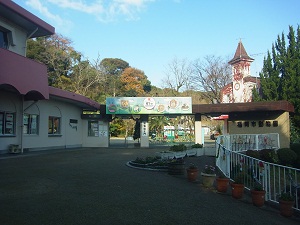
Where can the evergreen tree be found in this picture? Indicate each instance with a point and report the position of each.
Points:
(280, 76)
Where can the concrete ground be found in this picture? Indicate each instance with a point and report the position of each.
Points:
(93, 186)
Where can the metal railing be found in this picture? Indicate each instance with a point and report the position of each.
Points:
(242, 142)
(274, 178)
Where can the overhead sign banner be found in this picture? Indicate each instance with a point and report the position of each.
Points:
(149, 105)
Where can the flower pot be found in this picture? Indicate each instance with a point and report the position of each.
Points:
(237, 190)
(208, 179)
(258, 197)
(176, 168)
(192, 174)
(286, 208)
(222, 184)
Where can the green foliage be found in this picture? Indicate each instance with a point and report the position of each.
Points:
(286, 156)
(197, 145)
(286, 196)
(268, 155)
(257, 186)
(116, 127)
(192, 166)
(296, 148)
(253, 153)
(137, 130)
(178, 148)
(208, 169)
(239, 178)
(280, 76)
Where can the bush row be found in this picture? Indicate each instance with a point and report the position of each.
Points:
(283, 156)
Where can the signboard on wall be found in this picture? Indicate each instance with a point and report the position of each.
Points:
(149, 105)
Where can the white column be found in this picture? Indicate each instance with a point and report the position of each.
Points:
(144, 131)
(198, 129)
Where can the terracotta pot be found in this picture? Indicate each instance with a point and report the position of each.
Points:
(286, 208)
(258, 197)
(208, 179)
(222, 184)
(237, 190)
(192, 174)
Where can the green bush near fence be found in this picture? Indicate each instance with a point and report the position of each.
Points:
(296, 148)
(286, 156)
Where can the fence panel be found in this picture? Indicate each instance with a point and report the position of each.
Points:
(232, 160)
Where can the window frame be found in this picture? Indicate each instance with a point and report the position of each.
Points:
(5, 42)
(93, 132)
(4, 121)
(51, 121)
(28, 126)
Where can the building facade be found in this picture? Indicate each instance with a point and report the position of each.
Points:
(240, 89)
(34, 116)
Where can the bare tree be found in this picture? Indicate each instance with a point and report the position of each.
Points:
(177, 75)
(210, 76)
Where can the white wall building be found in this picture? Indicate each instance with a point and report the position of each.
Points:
(34, 116)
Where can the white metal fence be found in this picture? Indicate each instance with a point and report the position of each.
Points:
(231, 159)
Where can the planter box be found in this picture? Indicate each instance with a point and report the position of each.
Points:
(179, 155)
(166, 155)
(191, 152)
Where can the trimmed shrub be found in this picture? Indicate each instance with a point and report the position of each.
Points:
(268, 155)
(296, 148)
(178, 148)
(253, 153)
(286, 156)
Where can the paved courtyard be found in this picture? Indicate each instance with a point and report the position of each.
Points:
(94, 186)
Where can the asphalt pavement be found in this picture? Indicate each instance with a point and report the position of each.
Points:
(94, 186)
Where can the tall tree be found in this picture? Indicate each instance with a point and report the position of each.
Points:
(57, 53)
(210, 76)
(134, 82)
(177, 76)
(280, 76)
(113, 68)
(157, 123)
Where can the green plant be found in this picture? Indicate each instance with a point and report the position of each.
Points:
(286, 196)
(178, 148)
(209, 169)
(239, 178)
(268, 155)
(192, 166)
(257, 186)
(286, 156)
(253, 154)
(197, 145)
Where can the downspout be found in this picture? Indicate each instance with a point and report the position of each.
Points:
(22, 124)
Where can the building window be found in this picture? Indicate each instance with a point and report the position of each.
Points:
(93, 128)
(3, 39)
(7, 123)
(54, 125)
(30, 124)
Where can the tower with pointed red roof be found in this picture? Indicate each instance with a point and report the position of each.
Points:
(240, 89)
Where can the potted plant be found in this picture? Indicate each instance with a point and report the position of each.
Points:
(237, 186)
(258, 194)
(208, 176)
(176, 167)
(192, 172)
(222, 183)
(286, 203)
